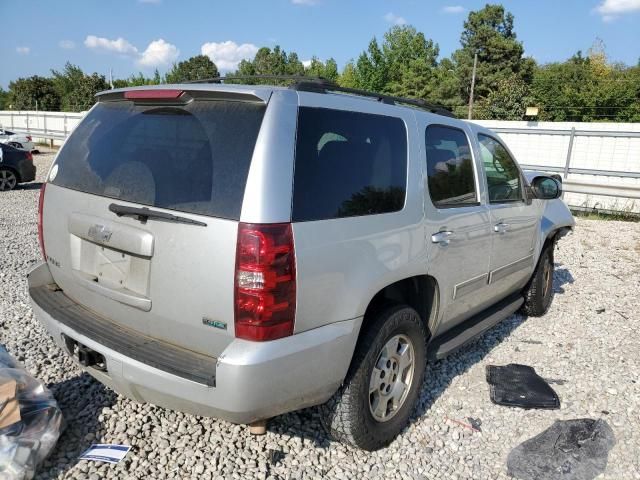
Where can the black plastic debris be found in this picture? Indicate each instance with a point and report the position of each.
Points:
(517, 385)
(568, 450)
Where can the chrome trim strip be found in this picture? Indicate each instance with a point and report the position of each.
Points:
(468, 286)
(507, 270)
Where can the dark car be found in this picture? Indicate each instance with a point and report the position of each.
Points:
(16, 166)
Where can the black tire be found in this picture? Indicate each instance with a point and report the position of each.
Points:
(8, 179)
(539, 291)
(348, 415)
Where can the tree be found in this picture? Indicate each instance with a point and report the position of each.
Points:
(490, 33)
(195, 68)
(76, 89)
(508, 100)
(587, 89)
(410, 60)
(317, 68)
(348, 77)
(278, 62)
(4, 99)
(371, 69)
(34, 92)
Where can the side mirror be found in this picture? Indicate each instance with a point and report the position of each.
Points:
(546, 188)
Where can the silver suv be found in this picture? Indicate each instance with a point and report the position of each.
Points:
(241, 251)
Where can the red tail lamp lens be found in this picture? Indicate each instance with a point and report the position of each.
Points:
(40, 208)
(265, 283)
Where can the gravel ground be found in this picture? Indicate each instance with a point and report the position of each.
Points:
(587, 344)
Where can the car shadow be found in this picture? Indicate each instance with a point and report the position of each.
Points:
(29, 186)
(439, 376)
(561, 276)
(81, 400)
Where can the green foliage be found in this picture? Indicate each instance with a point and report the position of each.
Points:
(490, 33)
(76, 89)
(271, 62)
(195, 68)
(587, 89)
(410, 60)
(508, 100)
(348, 77)
(328, 69)
(371, 70)
(4, 99)
(32, 92)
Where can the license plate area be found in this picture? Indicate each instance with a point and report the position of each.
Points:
(109, 267)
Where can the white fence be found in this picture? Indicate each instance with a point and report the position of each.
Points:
(41, 126)
(599, 162)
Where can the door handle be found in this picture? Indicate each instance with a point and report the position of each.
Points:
(442, 238)
(501, 227)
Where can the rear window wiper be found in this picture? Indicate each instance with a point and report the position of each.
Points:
(144, 214)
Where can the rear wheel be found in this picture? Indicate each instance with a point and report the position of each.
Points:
(383, 382)
(539, 292)
(8, 179)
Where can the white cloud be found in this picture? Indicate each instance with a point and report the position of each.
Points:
(227, 55)
(159, 53)
(305, 2)
(611, 9)
(119, 45)
(454, 9)
(66, 44)
(306, 63)
(394, 19)
(23, 50)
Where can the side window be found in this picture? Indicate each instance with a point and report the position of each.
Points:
(348, 164)
(503, 177)
(451, 176)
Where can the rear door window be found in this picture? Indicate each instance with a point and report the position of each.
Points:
(450, 171)
(193, 158)
(348, 164)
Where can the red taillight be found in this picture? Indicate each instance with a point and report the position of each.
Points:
(265, 283)
(30, 156)
(152, 94)
(40, 207)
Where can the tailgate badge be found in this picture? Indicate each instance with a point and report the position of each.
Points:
(214, 323)
(99, 233)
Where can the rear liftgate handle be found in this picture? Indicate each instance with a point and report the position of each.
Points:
(442, 238)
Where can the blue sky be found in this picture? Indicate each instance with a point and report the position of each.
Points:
(141, 35)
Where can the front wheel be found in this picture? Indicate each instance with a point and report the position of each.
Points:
(382, 386)
(539, 291)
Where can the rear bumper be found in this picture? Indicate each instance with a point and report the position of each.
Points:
(27, 171)
(253, 380)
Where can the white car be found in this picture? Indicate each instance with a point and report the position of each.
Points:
(17, 140)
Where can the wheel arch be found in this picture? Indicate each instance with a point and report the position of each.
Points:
(420, 292)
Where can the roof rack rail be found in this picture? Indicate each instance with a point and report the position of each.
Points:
(303, 83)
(328, 86)
(297, 78)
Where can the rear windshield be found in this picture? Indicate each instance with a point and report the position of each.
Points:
(193, 158)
